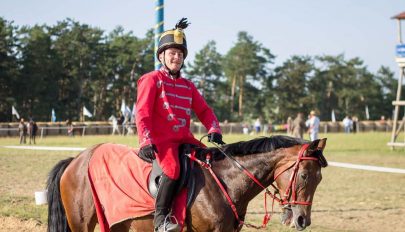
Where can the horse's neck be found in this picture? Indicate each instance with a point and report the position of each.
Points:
(241, 187)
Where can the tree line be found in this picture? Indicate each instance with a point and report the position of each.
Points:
(70, 65)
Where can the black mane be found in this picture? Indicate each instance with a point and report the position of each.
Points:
(261, 145)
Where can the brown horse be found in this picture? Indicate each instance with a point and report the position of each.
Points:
(294, 164)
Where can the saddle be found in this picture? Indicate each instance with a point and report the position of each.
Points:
(187, 178)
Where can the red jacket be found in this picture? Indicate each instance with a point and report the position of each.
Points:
(164, 107)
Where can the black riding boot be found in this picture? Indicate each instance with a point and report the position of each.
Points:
(163, 206)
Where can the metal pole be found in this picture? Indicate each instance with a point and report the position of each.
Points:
(159, 13)
(399, 32)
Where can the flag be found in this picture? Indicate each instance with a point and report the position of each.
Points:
(367, 113)
(53, 117)
(14, 112)
(128, 110)
(86, 112)
(133, 114)
(123, 107)
(333, 116)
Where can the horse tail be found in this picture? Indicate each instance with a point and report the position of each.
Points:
(57, 221)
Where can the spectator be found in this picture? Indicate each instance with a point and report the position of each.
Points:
(382, 118)
(127, 124)
(245, 129)
(265, 129)
(355, 124)
(121, 120)
(22, 129)
(115, 125)
(70, 128)
(347, 124)
(289, 126)
(313, 124)
(257, 125)
(298, 126)
(32, 130)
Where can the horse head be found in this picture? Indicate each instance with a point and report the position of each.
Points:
(297, 178)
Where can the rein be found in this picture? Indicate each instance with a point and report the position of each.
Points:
(290, 191)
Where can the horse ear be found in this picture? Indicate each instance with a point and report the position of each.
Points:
(322, 144)
(317, 146)
(312, 147)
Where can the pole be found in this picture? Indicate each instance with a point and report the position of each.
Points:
(159, 13)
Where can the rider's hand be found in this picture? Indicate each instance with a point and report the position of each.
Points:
(216, 138)
(147, 153)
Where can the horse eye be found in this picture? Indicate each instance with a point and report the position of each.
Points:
(304, 176)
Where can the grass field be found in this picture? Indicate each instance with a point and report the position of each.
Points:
(346, 199)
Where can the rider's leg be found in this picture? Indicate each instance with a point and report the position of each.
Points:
(163, 205)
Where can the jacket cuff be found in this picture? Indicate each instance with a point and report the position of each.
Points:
(145, 142)
(214, 130)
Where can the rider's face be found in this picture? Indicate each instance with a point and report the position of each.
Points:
(173, 58)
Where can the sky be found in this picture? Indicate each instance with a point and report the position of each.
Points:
(355, 28)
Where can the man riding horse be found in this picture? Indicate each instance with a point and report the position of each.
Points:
(164, 103)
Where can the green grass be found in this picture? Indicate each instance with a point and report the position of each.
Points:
(346, 199)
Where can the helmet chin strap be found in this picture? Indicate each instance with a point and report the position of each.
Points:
(173, 74)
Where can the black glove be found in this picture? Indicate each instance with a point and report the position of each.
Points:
(147, 153)
(216, 138)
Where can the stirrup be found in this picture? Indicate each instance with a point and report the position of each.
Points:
(168, 226)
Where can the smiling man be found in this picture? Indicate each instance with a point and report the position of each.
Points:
(164, 104)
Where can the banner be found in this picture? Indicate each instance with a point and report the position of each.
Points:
(123, 107)
(333, 116)
(133, 114)
(367, 113)
(53, 117)
(86, 112)
(14, 112)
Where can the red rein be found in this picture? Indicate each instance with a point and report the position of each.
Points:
(291, 190)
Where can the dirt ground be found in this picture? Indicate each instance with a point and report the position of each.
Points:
(8, 224)
(359, 220)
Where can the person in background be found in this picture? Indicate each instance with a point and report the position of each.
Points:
(258, 125)
(290, 126)
(32, 130)
(347, 124)
(164, 104)
(245, 128)
(355, 124)
(121, 119)
(313, 125)
(114, 122)
(22, 129)
(298, 126)
(70, 129)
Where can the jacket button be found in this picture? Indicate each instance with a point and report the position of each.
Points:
(170, 117)
(159, 84)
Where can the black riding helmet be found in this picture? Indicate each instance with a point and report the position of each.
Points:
(174, 38)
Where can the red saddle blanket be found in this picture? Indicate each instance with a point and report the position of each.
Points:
(119, 180)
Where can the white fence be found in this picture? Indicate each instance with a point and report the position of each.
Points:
(104, 128)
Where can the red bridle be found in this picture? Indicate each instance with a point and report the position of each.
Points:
(290, 191)
(290, 195)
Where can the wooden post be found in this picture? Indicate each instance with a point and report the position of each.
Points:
(400, 59)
